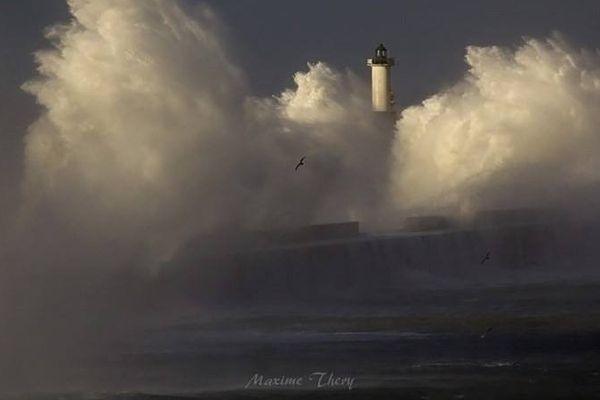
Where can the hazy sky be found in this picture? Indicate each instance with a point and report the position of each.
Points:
(273, 39)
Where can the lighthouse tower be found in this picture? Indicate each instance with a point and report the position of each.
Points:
(381, 64)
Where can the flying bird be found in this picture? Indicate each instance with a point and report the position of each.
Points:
(484, 259)
(483, 336)
(300, 163)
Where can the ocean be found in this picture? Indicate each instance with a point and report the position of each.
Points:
(532, 340)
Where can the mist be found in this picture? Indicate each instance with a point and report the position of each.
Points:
(148, 136)
(519, 130)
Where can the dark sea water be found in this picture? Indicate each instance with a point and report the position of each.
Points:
(514, 341)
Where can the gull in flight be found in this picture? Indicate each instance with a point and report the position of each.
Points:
(300, 163)
(487, 257)
(483, 336)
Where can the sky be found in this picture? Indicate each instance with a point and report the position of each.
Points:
(273, 38)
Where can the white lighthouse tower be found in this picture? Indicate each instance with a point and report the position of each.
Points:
(381, 64)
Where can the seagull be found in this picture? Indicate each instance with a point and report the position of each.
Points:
(300, 163)
(484, 259)
(483, 336)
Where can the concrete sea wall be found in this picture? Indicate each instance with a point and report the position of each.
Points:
(368, 265)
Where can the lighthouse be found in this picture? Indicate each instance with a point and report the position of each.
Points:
(381, 65)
